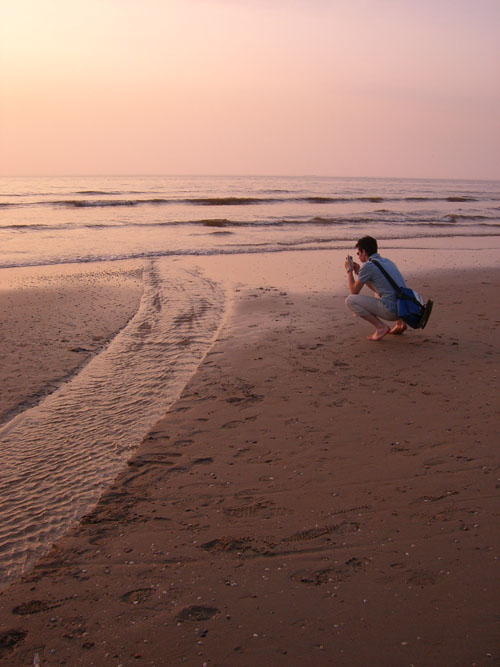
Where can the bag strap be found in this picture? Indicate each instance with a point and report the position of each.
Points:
(394, 284)
(389, 278)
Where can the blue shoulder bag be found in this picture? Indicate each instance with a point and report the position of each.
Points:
(411, 307)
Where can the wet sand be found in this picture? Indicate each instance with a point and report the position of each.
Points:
(59, 456)
(312, 498)
(54, 319)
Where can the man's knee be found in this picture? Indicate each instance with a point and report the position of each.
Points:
(350, 302)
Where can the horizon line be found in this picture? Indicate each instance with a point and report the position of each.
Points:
(244, 175)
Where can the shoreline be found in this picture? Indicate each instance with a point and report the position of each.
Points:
(282, 508)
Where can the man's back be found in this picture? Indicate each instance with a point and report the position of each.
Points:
(370, 273)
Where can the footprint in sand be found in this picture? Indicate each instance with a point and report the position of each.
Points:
(196, 613)
(422, 579)
(228, 544)
(137, 595)
(329, 574)
(314, 533)
(9, 640)
(248, 511)
(33, 607)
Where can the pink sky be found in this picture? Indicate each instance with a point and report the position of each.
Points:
(393, 88)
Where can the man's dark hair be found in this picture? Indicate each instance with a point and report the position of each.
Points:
(367, 243)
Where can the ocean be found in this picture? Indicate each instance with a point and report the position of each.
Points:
(86, 219)
(61, 453)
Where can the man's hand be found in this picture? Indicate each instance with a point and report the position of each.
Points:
(352, 266)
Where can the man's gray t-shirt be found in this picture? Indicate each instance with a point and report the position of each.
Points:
(369, 273)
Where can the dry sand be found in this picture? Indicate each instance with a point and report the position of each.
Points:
(312, 498)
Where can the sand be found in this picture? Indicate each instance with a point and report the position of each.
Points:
(54, 319)
(312, 498)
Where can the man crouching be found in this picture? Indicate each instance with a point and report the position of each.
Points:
(384, 305)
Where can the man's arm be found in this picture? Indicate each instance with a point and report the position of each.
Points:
(355, 286)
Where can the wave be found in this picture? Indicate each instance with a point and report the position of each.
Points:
(228, 201)
(39, 226)
(233, 200)
(255, 201)
(388, 219)
(446, 221)
(102, 192)
(86, 203)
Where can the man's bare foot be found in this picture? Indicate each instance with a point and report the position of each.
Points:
(379, 334)
(399, 328)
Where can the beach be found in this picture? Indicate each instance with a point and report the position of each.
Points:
(310, 497)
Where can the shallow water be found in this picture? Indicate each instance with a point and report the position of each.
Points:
(58, 457)
(85, 219)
